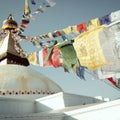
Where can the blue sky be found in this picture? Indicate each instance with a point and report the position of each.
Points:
(65, 13)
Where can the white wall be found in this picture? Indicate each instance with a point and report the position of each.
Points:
(62, 100)
(105, 111)
(13, 106)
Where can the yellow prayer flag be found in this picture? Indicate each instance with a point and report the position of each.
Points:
(93, 23)
(89, 50)
(26, 8)
(32, 58)
(74, 29)
(67, 30)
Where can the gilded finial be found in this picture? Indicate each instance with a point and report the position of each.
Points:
(9, 23)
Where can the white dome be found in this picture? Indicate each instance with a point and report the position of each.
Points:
(20, 79)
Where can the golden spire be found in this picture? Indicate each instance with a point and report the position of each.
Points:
(10, 50)
(10, 24)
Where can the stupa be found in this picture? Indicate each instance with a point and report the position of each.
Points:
(15, 77)
(26, 94)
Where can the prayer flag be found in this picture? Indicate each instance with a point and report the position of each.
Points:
(27, 10)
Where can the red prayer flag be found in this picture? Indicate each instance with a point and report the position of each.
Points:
(112, 81)
(82, 27)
